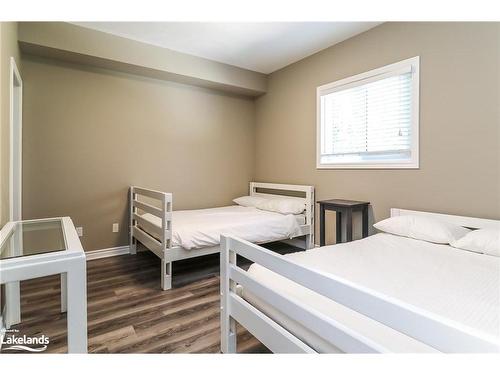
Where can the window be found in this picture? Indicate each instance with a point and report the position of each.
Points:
(370, 120)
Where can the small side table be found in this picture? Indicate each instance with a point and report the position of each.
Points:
(35, 248)
(342, 207)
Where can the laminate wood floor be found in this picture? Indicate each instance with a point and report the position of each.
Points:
(129, 313)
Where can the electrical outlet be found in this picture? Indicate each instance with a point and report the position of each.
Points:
(115, 227)
(79, 231)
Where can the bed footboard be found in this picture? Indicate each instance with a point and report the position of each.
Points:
(435, 331)
(156, 239)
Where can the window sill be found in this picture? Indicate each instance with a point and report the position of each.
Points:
(369, 166)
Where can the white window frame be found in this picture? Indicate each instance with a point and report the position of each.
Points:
(372, 75)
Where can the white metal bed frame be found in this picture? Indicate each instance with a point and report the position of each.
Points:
(159, 240)
(436, 331)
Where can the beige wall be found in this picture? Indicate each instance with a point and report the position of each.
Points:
(89, 134)
(459, 120)
(8, 49)
(65, 41)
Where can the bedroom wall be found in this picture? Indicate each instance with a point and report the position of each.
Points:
(459, 120)
(68, 42)
(8, 49)
(91, 133)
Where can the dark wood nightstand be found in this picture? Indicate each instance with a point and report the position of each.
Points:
(343, 208)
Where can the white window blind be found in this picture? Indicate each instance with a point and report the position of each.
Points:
(368, 120)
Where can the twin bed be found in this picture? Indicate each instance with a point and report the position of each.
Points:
(176, 235)
(384, 293)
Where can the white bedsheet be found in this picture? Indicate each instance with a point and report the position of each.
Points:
(460, 285)
(194, 229)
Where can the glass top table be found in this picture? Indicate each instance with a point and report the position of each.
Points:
(33, 237)
(36, 248)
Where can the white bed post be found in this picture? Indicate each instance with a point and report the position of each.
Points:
(310, 217)
(166, 274)
(227, 323)
(252, 189)
(132, 241)
(166, 225)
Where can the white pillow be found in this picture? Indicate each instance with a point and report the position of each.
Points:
(285, 206)
(422, 228)
(249, 201)
(485, 241)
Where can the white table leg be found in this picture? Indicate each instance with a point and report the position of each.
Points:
(13, 288)
(64, 292)
(76, 281)
(12, 303)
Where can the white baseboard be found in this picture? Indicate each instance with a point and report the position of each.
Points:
(105, 253)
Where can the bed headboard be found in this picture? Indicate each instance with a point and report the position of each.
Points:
(464, 221)
(280, 190)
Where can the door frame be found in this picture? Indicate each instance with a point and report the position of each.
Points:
(16, 142)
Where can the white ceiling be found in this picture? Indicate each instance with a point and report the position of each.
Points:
(263, 47)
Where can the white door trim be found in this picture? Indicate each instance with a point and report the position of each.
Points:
(16, 142)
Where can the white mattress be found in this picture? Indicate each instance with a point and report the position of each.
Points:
(194, 229)
(301, 219)
(460, 285)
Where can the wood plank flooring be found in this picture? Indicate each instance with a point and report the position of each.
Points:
(129, 313)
